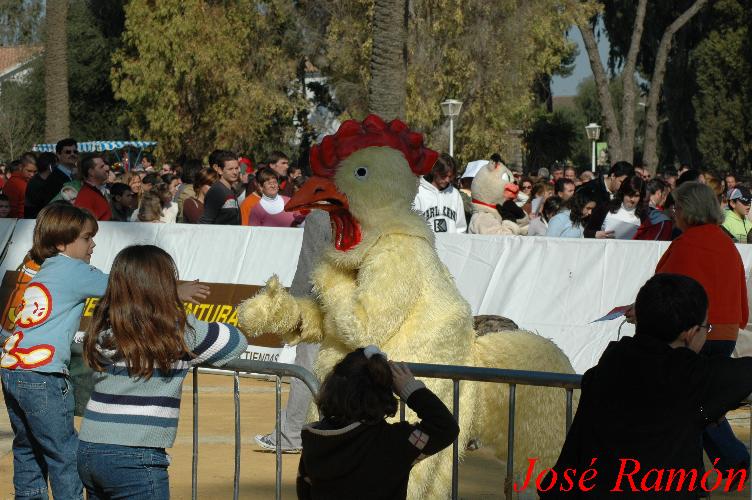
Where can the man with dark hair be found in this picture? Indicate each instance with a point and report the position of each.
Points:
(213, 157)
(65, 171)
(122, 202)
(730, 182)
(190, 168)
(147, 163)
(571, 173)
(35, 191)
(15, 189)
(557, 172)
(564, 188)
(603, 190)
(220, 204)
(439, 201)
(656, 226)
(645, 404)
(93, 195)
(670, 176)
(280, 163)
(149, 181)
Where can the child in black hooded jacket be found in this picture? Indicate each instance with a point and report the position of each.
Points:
(353, 452)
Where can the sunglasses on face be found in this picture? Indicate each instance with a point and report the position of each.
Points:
(69, 152)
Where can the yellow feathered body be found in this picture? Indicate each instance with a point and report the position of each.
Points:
(393, 291)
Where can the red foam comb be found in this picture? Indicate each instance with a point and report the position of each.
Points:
(353, 136)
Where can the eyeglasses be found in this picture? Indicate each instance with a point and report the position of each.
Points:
(707, 327)
(526, 187)
(69, 151)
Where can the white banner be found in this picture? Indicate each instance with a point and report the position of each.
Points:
(553, 286)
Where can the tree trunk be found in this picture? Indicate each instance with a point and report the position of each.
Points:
(628, 128)
(611, 127)
(656, 83)
(387, 93)
(57, 118)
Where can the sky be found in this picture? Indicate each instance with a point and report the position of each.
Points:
(568, 86)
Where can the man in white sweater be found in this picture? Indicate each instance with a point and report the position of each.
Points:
(439, 201)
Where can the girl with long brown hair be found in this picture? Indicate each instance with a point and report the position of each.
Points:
(141, 345)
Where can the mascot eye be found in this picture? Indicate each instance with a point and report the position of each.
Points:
(505, 177)
(361, 173)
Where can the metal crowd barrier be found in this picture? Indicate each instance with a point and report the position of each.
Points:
(235, 367)
(455, 373)
(513, 378)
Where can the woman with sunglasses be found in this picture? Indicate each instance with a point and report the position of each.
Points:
(524, 199)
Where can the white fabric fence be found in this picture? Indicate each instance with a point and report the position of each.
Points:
(556, 287)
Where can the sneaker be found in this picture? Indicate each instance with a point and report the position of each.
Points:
(266, 441)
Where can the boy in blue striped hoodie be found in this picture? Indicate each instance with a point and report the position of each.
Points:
(141, 345)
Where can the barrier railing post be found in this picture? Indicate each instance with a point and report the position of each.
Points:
(510, 443)
(456, 447)
(194, 463)
(278, 411)
(236, 395)
(513, 378)
(402, 410)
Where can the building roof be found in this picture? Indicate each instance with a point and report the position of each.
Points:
(11, 58)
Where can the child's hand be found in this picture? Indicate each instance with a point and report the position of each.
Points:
(193, 291)
(401, 377)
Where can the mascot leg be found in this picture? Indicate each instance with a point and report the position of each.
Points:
(540, 412)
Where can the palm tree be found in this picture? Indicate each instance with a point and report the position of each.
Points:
(57, 123)
(387, 93)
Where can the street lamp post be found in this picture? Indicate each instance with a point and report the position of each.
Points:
(451, 109)
(593, 132)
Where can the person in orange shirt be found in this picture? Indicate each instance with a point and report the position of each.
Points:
(15, 189)
(251, 200)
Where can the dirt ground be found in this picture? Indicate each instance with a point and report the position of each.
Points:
(481, 475)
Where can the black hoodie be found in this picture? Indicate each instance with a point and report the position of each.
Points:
(372, 461)
(646, 403)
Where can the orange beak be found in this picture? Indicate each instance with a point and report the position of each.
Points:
(318, 192)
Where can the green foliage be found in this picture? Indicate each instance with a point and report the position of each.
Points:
(21, 115)
(92, 36)
(723, 104)
(91, 41)
(199, 75)
(552, 137)
(486, 54)
(20, 21)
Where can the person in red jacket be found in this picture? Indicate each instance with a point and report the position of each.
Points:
(15, 189)
(707, 254)
(92, 195)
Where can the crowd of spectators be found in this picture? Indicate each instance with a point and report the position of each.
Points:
(623, 202)
(228, 189)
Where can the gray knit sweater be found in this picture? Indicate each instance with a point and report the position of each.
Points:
(139, 412)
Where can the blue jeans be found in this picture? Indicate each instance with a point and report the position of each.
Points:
(40, 407)
(112, 471)
(718, 439)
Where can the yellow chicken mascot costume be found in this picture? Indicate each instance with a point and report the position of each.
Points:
(382, 283)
